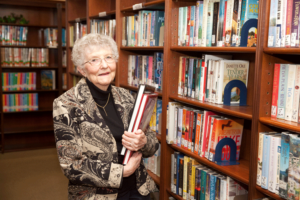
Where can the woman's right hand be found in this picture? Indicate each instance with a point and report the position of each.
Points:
(133, 164)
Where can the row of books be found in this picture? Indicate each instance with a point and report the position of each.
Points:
(144, 69)
(192, 180)
(278, 163)
(285, 96)
(18, 81)
(144, 29)
(13, 35)
(105, 27)
(77, 31)
(205, 79)
(50, 36)
(283, 23)
(216, 23)
(153, 163)
(20, 102)
(48, 81)
(200, 131)
(24, 57)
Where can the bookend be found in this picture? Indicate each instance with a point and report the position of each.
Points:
(243, 92)
(218, 154)
(245, 29)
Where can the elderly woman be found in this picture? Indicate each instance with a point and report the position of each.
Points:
(89, 125)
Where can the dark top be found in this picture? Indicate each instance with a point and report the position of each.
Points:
(115, 124)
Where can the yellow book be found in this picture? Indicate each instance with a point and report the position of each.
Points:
(185, 176)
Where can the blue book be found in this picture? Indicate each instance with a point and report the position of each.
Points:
(159, 21)
(283, 80)
(200, 23)
(192, 25)
(284, 165)
(293, 180)
(265, 163)
(158, 58)
(209, 23)
(180, 155)
(158, 112)
(152, 39)
(272, 23)
(219, 38)
(207, 191)
(190, 77)
(252, 9)
(213, 179)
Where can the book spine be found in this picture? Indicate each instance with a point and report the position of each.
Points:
(208, 135)
(290, 92)
(175, 136)
(180, 25)
(259, 158)
(296, 95)
(288, 26)
(190, 77)
(194, 77)
(173, 187)
(191, 126)
(295, 24)
(196, 32)
(221, 23)
(200, 23)
(184, 24)
(279, 23)
(187, 128)
(204, 22)
(192, 26)
(265, 164)
(203, 185)
(215, 24)
(195, 114)
(210, 10)
(185, 93)
(272, 165)
(181, 172)
(187, 42)
(212, 187)
(275, 90)
(224, 25)
(278, 148)
(235, 22)
(284, 68)
(183, 128)
(284, 165)
(228, 29)
(185, 177)
(179, 129)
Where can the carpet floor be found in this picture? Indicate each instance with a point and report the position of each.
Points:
(32, 175)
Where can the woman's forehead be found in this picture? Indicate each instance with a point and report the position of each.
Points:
(96, 49)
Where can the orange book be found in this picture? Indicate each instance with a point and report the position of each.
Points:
(226, 128)
(198, 132)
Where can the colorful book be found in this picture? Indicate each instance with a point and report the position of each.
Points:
(284, 165)
(275, 90)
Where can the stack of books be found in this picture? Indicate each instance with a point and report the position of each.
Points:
(20, 102)
(105, 27)
(17, 81)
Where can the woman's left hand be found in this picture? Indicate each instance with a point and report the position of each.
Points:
(134, 141)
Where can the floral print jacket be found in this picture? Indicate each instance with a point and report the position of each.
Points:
(86, 148)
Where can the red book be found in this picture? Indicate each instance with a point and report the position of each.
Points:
(187, 42)
(187, 128)
(224, 25)
(191, 130)
(204, 131)
(275, 90)
(143, 118)
(204, 81)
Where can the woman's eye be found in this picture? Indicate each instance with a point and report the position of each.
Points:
(108, 57)
(94, 60)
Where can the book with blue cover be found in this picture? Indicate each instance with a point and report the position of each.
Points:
(158, 113)
(284, 165)
(293, 174)
(272, 23)
(265, 164)
(192, 25)
(190, 77)
(158, 58)
(200, 28)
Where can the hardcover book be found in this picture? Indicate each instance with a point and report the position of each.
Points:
(48, 80)
(284, 165)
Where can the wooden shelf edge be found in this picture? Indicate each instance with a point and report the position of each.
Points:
(280, 123)
(158, 137)
(174, 195)
(81, 19)
(216, 49)
(153, 48)
(235, 111)
(145, 5)
(155, 178)
(112, 12)
(279, 50)
(268, 193)
(232, 171)
(130, 87)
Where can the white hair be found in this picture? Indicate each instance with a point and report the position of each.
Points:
(92, 40)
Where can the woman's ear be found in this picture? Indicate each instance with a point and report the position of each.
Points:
(82, 71)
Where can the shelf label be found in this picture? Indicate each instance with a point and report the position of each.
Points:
(77, 19)
(137, 6)
(102, 14)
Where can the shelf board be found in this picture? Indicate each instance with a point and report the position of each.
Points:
(154, 48)
(174, 195)
(31, 111)
(112, 12)
(25, 46)
(278, 50)
(158, 136)
(80, 20)
(24, 67)
(130, 87)
(76, 74)
(280, 123)
(153, 4)
(30, 25)
(268, 193)
(238, 172)
(244, 112)
(154, 177)
(216, 49)
(17, 129)
(28, 91)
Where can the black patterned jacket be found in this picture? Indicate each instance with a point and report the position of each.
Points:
(86, 148)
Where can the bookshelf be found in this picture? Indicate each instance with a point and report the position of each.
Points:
(257, 112)
(33, 129)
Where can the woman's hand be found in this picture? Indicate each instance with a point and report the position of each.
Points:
(134, 141)
(133, 164)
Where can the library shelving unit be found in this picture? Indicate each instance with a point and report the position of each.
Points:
(257, 112)
(33, 129)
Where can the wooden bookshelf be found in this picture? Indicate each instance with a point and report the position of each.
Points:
(154, 177)
(216, 49)
(33, 129)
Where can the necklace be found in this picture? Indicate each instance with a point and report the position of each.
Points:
(103, 107)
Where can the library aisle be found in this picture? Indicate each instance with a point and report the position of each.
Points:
(34, 174)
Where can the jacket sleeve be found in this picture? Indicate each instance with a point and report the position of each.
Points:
(80, 166)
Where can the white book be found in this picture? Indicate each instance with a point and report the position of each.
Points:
(184, 24)
(210, 72)
(215, 81)
(210, 134)
(230, 189)
(278, 24)
(229, 16)
(278, 144)
(283, 22)
(231, 70)
(239, 24)
(296, 95)
(172, 174)
(290, 92)
(275, 142)
(223, 188)
(204, 22)
(259, 157)
(180, 25)
(170, 123)
(175, 125)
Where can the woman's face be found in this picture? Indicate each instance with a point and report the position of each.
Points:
(103, 74)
